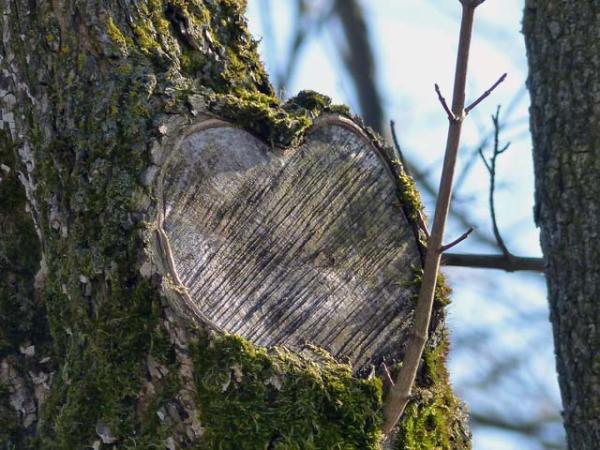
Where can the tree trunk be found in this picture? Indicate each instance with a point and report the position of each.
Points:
(165, 217)
(563, 44)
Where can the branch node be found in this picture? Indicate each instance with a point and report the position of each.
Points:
(457, 241)
(469, 108)
(485, 161)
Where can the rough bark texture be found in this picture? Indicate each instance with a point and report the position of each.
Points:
(106, 346)
(563, 45)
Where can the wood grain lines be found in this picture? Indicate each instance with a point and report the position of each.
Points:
(307, 245)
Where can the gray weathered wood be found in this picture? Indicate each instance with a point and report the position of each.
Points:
(307, 245)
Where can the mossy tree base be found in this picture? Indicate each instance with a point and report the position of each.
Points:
(89, 93)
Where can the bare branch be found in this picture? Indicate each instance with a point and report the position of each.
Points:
(485, 94)
(474, 155)
(507, 261)
(484, 159)
(492, 170)
(400, 393)
(359, 60)
(456, 241)
(451, 116)
(503, 149)
(500, 262)
(422, 224)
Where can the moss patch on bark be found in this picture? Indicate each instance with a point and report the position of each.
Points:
(252, 398)
(435, 419)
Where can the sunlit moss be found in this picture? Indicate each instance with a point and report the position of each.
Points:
(434, 419)
(253, 399)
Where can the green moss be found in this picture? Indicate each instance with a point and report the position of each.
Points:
(116, 35)
(434, 420)
(441, 296)
(192, 62)
(442, 291)
(253, 399)
(596, 364)
(278, 123)
(145, 38)
(262, 115)
(161, 24)
(411, 201)
(101, 338)
(102, 369)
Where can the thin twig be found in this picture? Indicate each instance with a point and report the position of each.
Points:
(399, 394)
(442, 100)
(456, 241)
(483, 141)
(484, 159)
(469, 108)
(462, 217)
(422, 224)
(397, 146)
(387, 376)
(507, 261)
(491, 167)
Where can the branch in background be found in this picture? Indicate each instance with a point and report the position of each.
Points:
(532, 428)
(305, 27)
(516, 263)
(486, 137)
(507, 261)
(399, 394)
(359, 61)
(491, 167)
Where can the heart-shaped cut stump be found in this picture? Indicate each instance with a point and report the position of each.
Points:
(304, 246)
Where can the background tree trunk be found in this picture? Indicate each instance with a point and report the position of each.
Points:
(104, 346)
(563, 44)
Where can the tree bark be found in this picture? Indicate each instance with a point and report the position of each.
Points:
(563, 44)
(152, 233)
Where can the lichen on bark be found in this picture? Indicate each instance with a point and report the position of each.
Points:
(89, 91)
